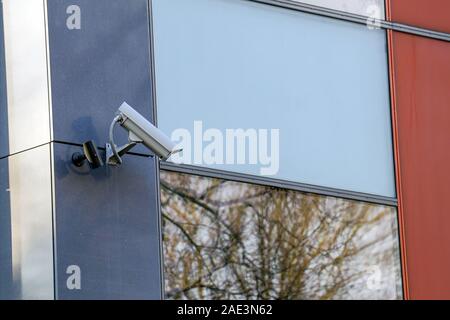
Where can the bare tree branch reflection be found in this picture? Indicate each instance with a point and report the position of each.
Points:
(229, 240)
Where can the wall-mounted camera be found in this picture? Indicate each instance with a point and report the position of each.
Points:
(140, 130)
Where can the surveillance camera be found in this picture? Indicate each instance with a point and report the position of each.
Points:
(151, 136)
(140, 130)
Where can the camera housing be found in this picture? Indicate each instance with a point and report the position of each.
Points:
(140, 130)
(145, 132)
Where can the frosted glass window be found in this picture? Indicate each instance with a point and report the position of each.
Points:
(370, 8)
(322, 82)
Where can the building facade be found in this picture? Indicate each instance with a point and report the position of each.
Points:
(315, 149)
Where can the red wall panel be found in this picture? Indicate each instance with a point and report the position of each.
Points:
(430, 14)
(421, 98)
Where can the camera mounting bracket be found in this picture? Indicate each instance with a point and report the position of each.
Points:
(115, 160)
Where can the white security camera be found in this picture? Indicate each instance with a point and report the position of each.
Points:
(140, 130)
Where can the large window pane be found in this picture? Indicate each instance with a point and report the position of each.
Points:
(322, 82)
(370, 8)
(229, 240)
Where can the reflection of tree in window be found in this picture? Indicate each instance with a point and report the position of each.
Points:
(229, 240)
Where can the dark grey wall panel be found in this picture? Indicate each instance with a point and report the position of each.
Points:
(6, 288)
(106, 220)
(107, 224)
(97, 67)
(4, 149)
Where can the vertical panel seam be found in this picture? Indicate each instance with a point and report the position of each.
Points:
(395, 131)
(52, 167)
(157, 166)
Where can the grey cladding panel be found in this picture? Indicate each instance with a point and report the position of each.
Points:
(107, 225)
(100, 57)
